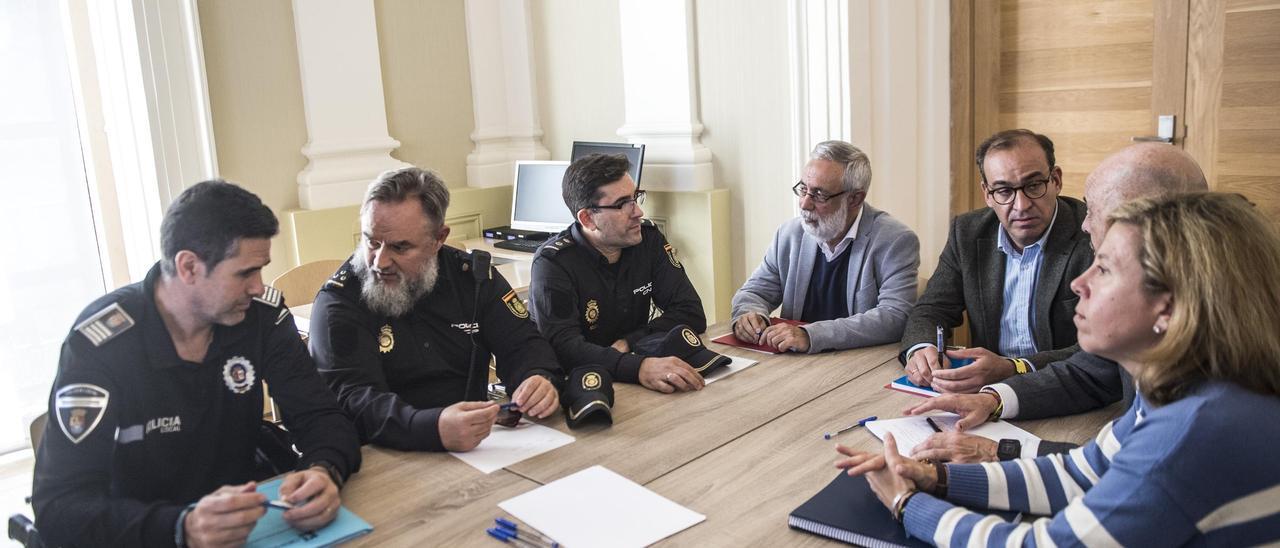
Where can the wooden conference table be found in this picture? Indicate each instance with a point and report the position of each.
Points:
(744, 451)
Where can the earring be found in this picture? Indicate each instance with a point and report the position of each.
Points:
(1157, 330)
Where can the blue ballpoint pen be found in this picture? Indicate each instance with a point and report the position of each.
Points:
(507, 536)
(862, 422)
(515, 529)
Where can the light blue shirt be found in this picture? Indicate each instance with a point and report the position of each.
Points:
(1021, 271)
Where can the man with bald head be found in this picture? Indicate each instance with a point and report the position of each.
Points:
(1082, 382)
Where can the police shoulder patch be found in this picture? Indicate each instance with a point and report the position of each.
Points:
(515, 305)
(671, 255)
(338, 279)
(80, 408)
(106, 324)
(270, 296)
(550, 249)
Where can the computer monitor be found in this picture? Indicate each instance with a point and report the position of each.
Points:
(634, 153)
(536, 201)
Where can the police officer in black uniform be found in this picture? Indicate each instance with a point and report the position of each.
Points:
(594, 283)
(158, 400)
(403, 332)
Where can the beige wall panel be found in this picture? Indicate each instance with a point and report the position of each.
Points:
(1244, 5)
(1263, 94)
(743, 81)
(251, 62)
(1264, 191)
(255, 94)
(578, 55)
(1076, 121)
(1248, 118)
(427, 83)
(1032, 25)
(1122, 98)
(1088, 68)
(1257, 141)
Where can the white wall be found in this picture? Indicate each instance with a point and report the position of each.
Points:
(578, 56)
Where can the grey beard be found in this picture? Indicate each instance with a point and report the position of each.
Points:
(394, 302)
(828, 227)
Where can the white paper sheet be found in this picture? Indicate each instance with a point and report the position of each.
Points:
(912, 431)
(598, 507)
(737, 365)
(507, 446)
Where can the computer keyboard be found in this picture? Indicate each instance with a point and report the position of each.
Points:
(526, 246)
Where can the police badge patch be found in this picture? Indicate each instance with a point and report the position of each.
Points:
(515, 305)
(690, 337)
(671, 254)
(386, 339)
(238, 374)
(80, 408)
(591, 381)
(592, 314)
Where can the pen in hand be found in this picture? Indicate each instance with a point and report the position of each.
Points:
(277, 504)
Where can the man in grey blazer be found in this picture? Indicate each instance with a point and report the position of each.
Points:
(1009, 266)
(1082, 382)
(846, 268)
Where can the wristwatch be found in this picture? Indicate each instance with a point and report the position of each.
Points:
(334, 474)
(1009, 449)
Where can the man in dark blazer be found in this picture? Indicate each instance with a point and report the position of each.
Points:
(1010, 267)
(1083, 382)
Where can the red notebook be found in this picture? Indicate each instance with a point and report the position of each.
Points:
(731, 340)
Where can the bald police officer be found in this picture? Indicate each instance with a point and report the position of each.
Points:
(403, 332)
(158, 400)
(594, 284)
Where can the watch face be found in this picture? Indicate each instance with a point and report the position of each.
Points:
(1009, 449)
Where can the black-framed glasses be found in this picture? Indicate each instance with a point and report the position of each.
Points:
(1005, 194)
(801, 190)
(627, 204)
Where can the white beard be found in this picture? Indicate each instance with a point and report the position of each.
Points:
(397, 301)
(827, 228)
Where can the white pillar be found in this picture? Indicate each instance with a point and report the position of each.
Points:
(661, 94)
(504, 97)
(342, 99)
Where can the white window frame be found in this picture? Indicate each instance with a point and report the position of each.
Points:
(142, 103)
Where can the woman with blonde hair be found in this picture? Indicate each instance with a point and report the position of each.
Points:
(1185, 294)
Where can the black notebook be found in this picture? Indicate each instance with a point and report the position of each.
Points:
(848, 511)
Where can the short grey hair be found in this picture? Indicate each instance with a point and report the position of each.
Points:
(857, 167)
(398, 185)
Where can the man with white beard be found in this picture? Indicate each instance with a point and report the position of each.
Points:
(844, 267)
(404, 331)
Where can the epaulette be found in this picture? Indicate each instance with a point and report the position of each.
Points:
(550, 249)
(270, 296)
(106, 324)
(338, 279)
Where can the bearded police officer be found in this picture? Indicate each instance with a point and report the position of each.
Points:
(594, 284)
(158, 400)
(403, 332)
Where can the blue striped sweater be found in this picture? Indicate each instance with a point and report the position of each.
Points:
(1201, 471)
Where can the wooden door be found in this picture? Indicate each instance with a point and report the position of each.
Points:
(1090, 74)
(1233, 97)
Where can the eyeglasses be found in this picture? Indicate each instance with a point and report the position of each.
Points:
(818, 196)
(1005, 194)
(627, 204)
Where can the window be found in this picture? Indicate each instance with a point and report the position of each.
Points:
(53, 268)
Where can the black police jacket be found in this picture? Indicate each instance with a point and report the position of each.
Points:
(582, 304)
(136, 433)
(394, 376)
